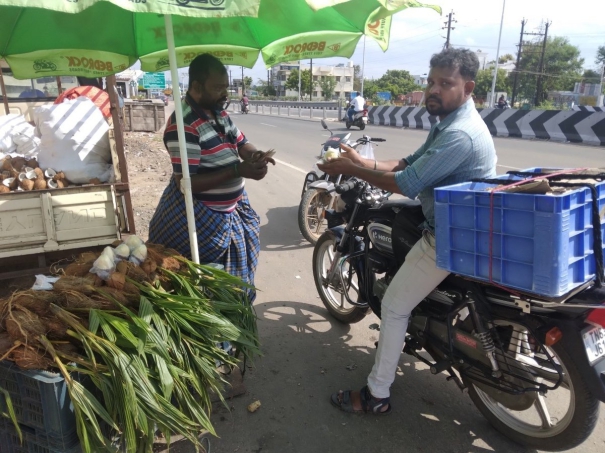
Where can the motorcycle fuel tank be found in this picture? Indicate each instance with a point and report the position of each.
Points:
(380, 235)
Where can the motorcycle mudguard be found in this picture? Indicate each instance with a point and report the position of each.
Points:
(321, 184)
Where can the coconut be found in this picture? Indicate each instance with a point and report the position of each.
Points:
(149, 266)
(38, 304)
(18, 163)
(75, 299)
(40, 184)
(15, 183)
(122, 251)
(95, 181)
(139, 254)
(27, 184)
(33, 163)
(28, 358)
(87, 257)
(6, 343)
(56, 329)
(7, 164)
(59, 176)
(116, 243)
(60, 184)
(69, 283)
(4, 189)
(78, 269)
(39, 173)
(116, 280)
(108, 295)
(24, 325)
(132, 271)
(66, 348)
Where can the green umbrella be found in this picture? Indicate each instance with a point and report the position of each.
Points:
(94, 38)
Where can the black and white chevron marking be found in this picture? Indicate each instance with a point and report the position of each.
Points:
(584, 108)
(577, 126)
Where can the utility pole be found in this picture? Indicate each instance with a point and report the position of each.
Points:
(492, 100)
(541, 70)
(311, 84)
(449, 27)
(363, 64)
(512, 104)
(299, 79)
(268, 82)
(243, 83)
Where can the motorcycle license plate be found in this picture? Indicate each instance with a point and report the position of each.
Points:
(365, 120)
(594, 342)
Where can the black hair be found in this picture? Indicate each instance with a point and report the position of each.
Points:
(464, 59)
(358, 93)
(202, 66)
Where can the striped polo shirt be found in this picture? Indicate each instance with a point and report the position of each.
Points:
(211, 146)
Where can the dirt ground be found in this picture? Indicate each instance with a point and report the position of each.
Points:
(149, 171)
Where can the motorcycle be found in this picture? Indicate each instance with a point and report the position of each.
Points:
(245, 107)
(360, 119)
(318, 191)
(514, 355)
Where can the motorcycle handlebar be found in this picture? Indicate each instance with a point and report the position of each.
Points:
(379, 139)
(342, 188)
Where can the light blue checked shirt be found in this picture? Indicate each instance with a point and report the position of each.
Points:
(457, 149)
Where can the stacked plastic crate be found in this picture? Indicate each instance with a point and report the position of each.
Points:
(540, 243)
(43, 410)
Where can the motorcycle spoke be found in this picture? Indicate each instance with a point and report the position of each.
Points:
(542, 409)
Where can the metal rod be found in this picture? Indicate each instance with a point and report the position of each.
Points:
(4, 95)
(497, 55)
(363, 63)
(186, 180)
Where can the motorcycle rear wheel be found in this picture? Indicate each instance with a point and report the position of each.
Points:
(333, 296)
(536, 427)
(310, 214)
(362, 126)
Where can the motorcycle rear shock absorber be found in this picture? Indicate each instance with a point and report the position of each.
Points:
(486, 339)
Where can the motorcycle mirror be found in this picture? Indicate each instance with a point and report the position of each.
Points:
(324, 125)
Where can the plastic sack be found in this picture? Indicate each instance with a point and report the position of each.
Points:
(9, 124)
(104, 266)
(366, 151)
(75, 140)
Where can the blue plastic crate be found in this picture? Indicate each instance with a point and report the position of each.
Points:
(34, 441)
(540, 243)
(40, 400)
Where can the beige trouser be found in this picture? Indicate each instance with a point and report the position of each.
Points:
(415, 280)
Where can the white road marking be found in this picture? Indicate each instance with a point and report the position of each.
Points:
(270, 125)
(293, 167)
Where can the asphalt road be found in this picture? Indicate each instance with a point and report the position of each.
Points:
(307, 355)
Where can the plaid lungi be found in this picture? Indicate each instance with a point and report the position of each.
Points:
(227, 238)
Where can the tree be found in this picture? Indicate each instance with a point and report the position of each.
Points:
(600, 55)
(484, 79)
(370, 89)
(327, 85)
(247, 82)
(305, 81)
(562, 68)
(265, 89)
(591, 76)
(505, 58)
(357, 78)
(396, 82)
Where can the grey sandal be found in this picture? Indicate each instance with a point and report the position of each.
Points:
(369, 404)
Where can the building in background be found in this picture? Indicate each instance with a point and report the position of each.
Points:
(127, 82)
(342, 73)
(420, 80)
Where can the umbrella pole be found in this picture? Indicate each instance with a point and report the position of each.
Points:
(3, 93)
(186, 181)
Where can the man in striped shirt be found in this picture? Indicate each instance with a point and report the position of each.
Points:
(458, 148)
(220, 159)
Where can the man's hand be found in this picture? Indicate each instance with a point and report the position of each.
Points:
(252, 170)
(350, 153)
(340, 166)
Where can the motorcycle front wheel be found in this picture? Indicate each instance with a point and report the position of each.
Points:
(311, 210)
(333, 295)
(559, 420)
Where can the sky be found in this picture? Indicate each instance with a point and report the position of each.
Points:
(416, 32)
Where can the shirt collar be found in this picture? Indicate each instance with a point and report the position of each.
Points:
(462, 110)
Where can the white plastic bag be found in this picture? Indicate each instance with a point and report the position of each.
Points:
(9, 124)
(366, 151)
(74, 139)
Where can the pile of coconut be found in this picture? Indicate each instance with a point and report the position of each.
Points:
(19, 174)
(92, 281)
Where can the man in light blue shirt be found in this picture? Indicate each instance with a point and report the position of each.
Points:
(457, 149)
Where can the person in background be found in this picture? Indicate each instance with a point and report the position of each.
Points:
(502, 102)
(357, 105)
(220, 160)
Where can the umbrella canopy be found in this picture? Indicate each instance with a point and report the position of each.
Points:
(94, 38)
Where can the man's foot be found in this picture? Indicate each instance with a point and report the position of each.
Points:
(361, 402)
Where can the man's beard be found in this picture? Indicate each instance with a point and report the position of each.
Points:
(437, 108)
(220, 104)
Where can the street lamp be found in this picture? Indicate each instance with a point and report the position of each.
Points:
(498, 55)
